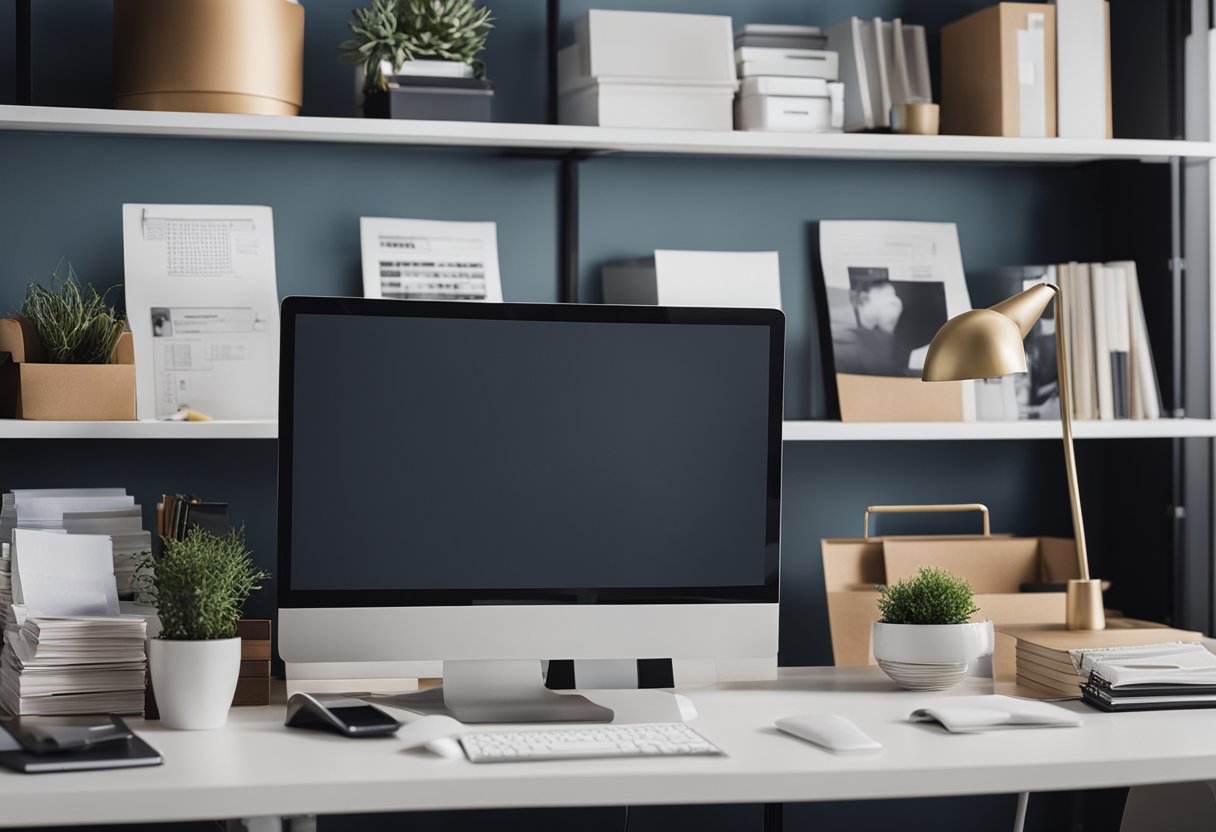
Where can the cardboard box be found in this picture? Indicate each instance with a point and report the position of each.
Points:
(999, 72)
(995, 566)
(895, 399)
(30, 388)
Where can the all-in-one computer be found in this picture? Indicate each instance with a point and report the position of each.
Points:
(494, 485)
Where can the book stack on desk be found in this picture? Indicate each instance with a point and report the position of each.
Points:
(78, 665)
(788, 80)
(1050, 659)
(253, 683)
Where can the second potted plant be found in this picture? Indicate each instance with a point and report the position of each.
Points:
(926, 640)
(198, 585)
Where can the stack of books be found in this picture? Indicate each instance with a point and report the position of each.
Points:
(1050, 660)
(105, 511)
(253, 684)
(177, 513)
(1150, 678)
(789, 80)
(73, 665)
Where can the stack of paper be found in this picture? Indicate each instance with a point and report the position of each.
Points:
(883, 64)
(107, 511)
(66, 648)
(1051, 661)
(1169, 676)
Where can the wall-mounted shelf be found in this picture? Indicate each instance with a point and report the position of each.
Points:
(237, 429)
(557, 138)
(803, 431)
(830, 431)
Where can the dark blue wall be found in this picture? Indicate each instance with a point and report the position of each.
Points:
(60, 195)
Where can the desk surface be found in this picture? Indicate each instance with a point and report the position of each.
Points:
(255, 767)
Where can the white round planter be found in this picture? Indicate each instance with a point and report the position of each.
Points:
(194, 681)
(930, 656)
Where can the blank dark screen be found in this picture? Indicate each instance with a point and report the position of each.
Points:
(437, 453)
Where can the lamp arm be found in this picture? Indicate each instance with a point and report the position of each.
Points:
(1070, 462)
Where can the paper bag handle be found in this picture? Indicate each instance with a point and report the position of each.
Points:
(929, 509)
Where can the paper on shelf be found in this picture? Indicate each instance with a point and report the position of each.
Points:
(56, 574)
(406, 259)
(204, 308)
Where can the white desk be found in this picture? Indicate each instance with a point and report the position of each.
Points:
(256, 767)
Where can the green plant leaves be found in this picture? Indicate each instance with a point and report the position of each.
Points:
(198, 584)
(74, 325)
(404, 30)
(931, 596)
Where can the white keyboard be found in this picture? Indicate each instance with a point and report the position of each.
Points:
(662, 739)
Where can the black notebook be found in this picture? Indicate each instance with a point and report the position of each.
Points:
(37, 751)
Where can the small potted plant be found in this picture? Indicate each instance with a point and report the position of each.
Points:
(198, 585)
(925, 639)
(419, 59)
(66, 355)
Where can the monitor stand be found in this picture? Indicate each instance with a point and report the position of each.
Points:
(499, 691)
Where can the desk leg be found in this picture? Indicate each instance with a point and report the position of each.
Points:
(774, 817)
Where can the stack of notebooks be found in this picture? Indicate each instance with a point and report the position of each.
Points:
(789, 80)
(1150, 678)
(1051, 660)
(105, 511)
(1106, 338)
(73, 665)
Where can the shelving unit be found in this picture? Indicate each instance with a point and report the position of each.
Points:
(562, 139)
(795, 431)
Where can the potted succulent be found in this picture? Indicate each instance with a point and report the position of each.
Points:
(66, 355)
(418, 59)
(925, 639)
(198, 585)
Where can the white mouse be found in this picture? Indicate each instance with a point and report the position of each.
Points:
(830, 731)
(437, 734)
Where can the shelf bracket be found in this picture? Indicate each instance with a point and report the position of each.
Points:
(24, 52)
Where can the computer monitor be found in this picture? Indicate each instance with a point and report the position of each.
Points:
(494, 485)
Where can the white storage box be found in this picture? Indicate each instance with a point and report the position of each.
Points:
(799, 63)
(775, 112)
(625, 102)
(654, 45)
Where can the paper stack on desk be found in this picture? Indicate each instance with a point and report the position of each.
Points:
(100, 511)
(67, 650)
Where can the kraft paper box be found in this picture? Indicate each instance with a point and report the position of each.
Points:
(996, 567)
(33, 389)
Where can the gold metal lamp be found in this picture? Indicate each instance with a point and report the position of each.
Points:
(985, 343)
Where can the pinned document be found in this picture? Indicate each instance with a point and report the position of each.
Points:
(204, 308)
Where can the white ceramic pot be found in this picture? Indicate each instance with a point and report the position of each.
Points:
(194, 681)
(930, 656)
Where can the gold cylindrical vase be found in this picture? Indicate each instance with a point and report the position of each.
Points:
(209, 56)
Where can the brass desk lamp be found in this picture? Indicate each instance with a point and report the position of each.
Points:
(985, 343)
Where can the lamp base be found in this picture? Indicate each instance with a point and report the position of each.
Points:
(1084, 609)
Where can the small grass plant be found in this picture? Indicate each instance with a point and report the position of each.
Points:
(931, 596)
(199, 584)
(404, 30)
(74, 323)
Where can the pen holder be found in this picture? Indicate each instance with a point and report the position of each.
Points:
(920, 118)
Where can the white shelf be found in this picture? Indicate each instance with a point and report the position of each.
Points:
(242, 429)
(831, 431)
(806, 431)
(561, 138)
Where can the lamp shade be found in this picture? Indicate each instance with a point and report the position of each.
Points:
(986, 343)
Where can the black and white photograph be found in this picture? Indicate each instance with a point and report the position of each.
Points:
(882, 327)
